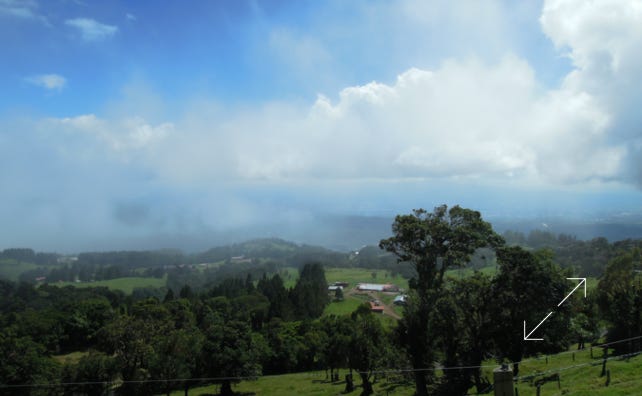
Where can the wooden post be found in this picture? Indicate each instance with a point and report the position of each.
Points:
(539, 386)
(608, 377)
(604, 356)
(503, 381)
(573, 356)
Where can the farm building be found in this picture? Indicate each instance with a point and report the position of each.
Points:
(334, 287)
(377, 287)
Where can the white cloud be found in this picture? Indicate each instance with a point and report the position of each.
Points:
(603, 40)
(91, 30)
(48, 81)
(22, 9)
(464, 120)
(19, 8)
(129, 134)
(130, 17)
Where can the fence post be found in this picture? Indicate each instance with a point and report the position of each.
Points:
(608, 377)
(503, 381)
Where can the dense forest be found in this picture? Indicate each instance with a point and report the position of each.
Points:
(237, 320)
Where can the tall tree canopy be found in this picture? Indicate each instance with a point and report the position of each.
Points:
(433, 242)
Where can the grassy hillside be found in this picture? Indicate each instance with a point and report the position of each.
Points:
(582, 375)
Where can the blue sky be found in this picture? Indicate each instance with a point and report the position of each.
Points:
(124, 120)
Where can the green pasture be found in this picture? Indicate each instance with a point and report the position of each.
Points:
(363, 275)
(289, 275)
(126, 285)
(11, 269)
(345, 307)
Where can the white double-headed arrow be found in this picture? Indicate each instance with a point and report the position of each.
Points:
(582, 281)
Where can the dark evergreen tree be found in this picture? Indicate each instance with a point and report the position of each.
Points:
(310, 294)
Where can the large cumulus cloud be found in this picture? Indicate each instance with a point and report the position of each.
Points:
(465, 119)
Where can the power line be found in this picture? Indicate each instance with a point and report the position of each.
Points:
(596, 363)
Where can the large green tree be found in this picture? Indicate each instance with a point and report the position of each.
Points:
(131, 340)
(228, 352)
(620, 299)
(465, 321)
(528, 287)
(367, 345)
(433, 242)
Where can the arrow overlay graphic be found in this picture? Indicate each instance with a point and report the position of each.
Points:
(532, 331)
(582, 280)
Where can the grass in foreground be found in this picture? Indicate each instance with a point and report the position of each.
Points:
(577, 378)
(310, 383)
(579, 375)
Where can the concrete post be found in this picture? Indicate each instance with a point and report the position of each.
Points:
(503, 381)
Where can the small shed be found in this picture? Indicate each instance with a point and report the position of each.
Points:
(400, 299)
